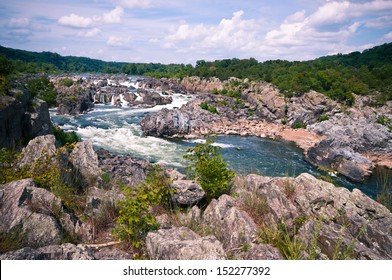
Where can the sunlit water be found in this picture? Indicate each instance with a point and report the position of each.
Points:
(117, 129)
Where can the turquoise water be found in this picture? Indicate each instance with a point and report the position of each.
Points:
(116, 129)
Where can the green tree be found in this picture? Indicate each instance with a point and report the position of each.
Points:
(136, 219)
(209, 168)
(43, 89)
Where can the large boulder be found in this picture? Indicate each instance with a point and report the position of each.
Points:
(40, 148)
(182, 244)
(333, 218)
(85, 160)
(232, 226)
(36, 216)
(187, 192)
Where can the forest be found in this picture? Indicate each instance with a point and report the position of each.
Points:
(337, 76)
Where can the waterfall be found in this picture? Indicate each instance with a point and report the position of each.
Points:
(123, 102)
(112, 100)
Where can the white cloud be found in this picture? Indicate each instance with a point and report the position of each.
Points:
(117, 41)
(114, 16)
(74, 20)
(18, 23)
(89, 33)
(133, 3)
(234, 33)
(380, 22)
(388, 36)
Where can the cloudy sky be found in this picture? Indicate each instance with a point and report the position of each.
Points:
(180, 31)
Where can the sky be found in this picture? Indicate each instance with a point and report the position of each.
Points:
(180, 31)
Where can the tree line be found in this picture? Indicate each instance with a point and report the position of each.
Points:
(337, 76)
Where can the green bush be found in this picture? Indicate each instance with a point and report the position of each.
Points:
(323, 118)
(297, 125)
(66, 82)
(136, 219)
(65, 137)
(204, 105)
(209, 168)
(43, 89)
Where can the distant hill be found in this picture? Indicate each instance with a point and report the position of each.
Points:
(337, 76)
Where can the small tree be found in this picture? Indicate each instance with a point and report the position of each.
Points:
(136, 219)
(209, 168)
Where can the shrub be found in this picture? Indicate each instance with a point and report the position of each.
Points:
(65, 137)
(66, 82)
(256, 205)
(136, 219)
(209, 168)
(297, 125)
(385, 121)
(43, 89)
(211, 109)
(323, 118)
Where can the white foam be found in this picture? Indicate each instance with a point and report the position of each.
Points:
(127, 84)
(112, 100)
(216, 144)
(123, 102)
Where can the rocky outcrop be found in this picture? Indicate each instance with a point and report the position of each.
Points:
(36, 215)
(198, 85)
(85, 160)
(341, 223)
(40, 148)
(182, 244)
(186, 192)
(233, 226)
(22, 117)
(65, 251)
(74, 100)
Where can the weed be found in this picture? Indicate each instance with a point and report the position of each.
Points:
(256, 205)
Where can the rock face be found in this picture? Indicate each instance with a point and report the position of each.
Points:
(74, 100)
(36, 215)
(85, 160)
(233, 226)
(344, 224)
(65, 251)
(182, 244)
(187, 192)
(41, 147)
(22, 118)
(196, 84)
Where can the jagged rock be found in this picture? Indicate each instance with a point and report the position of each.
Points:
(74, 100)
(187, 192)
(182, 244)
(22, 118)
(262, 252)
(233, 227)
(173, 174)
(111, 254)
(339, 214)
(196, 84)
(122, 167)
(85, 160)
(65, 251)
(36, 215)
(40, 148)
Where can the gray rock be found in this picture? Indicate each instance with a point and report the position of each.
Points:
(65, 251)
(232, 226)
(22, 118)
(262, 252)
(174, 174)
(40, 148)
(187, 192)
(36, 215)
(85, 160)
(182, 244)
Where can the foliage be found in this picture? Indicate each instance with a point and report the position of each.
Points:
(297, 125)
(209, 168)
(290, 246)
(212, 109)
(136, 219)
(383, 120)
(67, 82)
(44, 89)
(256, 205)
(384, 183)
(65, 137)
(323, 118)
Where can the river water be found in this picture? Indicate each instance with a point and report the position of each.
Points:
(117, 129)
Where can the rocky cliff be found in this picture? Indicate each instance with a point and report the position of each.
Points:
(22, 118)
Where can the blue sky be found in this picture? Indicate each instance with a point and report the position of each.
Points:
(175, 31)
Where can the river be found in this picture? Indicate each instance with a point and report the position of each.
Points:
(117, 129)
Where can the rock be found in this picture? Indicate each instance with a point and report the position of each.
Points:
(233, 227)
(187, 192)
(22, 118)
(182, 244)
(40, 148)
(173, 174)
(111, 254)
(262, 252)
(74, 100)
(85, 160)
(65, 251)
(196, 84)
(36, 215)
(331, 215)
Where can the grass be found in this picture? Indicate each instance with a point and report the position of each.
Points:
(384, 183)
(256, 205)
